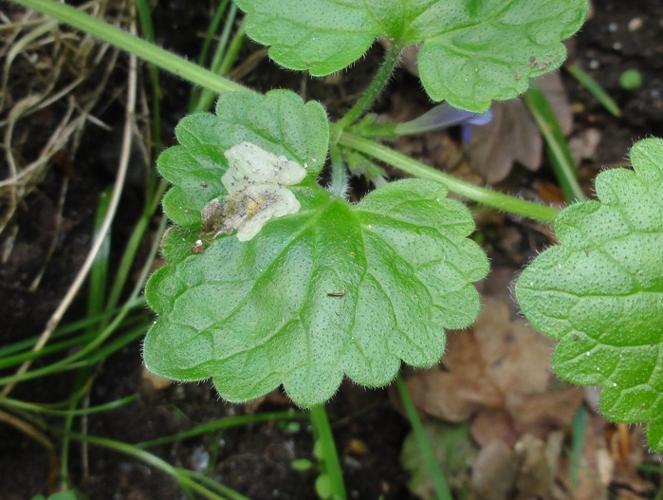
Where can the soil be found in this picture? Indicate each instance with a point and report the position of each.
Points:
(256, 459)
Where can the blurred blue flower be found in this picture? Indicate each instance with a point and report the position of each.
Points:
(444, 116)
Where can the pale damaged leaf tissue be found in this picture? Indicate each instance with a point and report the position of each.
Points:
(255, 182)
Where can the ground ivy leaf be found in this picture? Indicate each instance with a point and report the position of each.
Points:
(600, 291)
(331, 290)
(472, 52)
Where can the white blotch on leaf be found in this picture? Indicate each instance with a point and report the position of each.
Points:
(255, 181)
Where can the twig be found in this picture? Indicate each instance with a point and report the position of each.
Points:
(123, 164)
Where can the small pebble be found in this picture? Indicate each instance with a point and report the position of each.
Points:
(617, 46)
(635, 24)
(613, 27)
(594, 64)
(199, 459)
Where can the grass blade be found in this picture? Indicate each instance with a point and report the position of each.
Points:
(595, 89)
(580, 421)
(46, 410)
(221, 424)
(558, 149)
(423, 440)
(325, 437)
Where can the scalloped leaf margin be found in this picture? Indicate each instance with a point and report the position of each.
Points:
(472, 52)
(600, 291)
(332, 290)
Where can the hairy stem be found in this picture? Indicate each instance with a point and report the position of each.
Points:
(465, 189)
(377, 85)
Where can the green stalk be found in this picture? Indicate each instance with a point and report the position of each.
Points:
(185, 479)
(375, 88)
(559, 153)
(423, 441)
(145, 50)
(479, 194)
(221, 424)
(580, 422)
(147, 27)
(99, 269)
(234, 49)
(332, 466)
(594, 88)
(47, 410)
(207, 96)
(202, 56)
(219, 488)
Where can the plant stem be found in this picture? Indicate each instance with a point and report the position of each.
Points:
(202, 56)
(558, 148)
(423, 441)
(324, 434)
(222, 424)
(145, 50)
(377, 85)
(182, 476)
(479, 194)
(147, 27)
(338, 185)
(579, 435)
(594, 88)
(206, 96)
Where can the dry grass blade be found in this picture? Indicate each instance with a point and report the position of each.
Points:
(123, 164)
(42, 66)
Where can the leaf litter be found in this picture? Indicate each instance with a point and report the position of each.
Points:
(500, 423)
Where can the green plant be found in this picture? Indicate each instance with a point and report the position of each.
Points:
(272, 279)
(631, 79)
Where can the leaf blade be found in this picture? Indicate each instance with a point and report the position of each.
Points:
(331, 290)
(472, 52)
(600, 291)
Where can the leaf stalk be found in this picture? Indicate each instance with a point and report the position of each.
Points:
(375, 88)
(482, 195)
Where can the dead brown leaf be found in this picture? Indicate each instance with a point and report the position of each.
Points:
(538, 465)
(494, 472)
(499, 372)
(513, 136)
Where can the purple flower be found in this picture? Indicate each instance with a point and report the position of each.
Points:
(444, 116)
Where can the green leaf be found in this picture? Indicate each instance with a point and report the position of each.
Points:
(332, 290)
(472, 51)
(301, 465)
(323, 487)
(600, 291)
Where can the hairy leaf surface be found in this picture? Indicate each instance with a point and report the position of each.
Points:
(332, 290)
(600, 291)
(472, 52)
